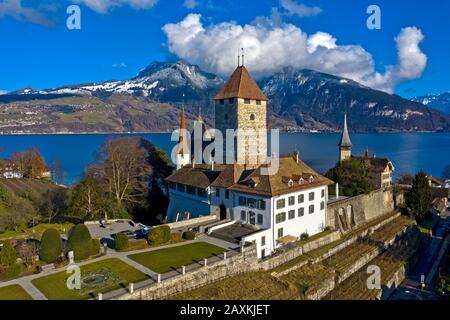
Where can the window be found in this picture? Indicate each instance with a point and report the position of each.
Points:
(252, 117)
(291, 214)
(252, 217)
(301, 212)
(301, 198)
(301, 181)
(291, 201)
(180, 187)
(227, 194)
(218, 192)
(311, 196)
(281, 203)
(226, 116)
(322, 205)
(172, 185)
(231, 100)
(263, 253)
(258, 102)
(242, 201)
(280, 217)
(263, 241)
(262, 204)
(247, 101)
(222, 101)
(191, 190)
(323, 193)
(243, 216)
(280, 232)
(251, 203)
(260, 219)
(311, 209)
(202, 193)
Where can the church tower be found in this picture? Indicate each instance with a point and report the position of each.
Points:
(183, 153)
(240, 104)
(345, 145)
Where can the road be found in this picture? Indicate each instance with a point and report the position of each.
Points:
(428, 253)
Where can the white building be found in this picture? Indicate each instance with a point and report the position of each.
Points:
(270, 210)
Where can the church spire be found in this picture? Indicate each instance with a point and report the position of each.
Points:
(345, 145)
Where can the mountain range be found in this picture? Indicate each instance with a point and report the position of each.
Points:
(299, 100)
(439, 102)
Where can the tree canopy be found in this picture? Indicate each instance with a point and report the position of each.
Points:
(419, 199)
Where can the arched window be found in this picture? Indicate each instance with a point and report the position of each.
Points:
(252, 117)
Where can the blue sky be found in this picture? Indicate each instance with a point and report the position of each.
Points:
(123, 36)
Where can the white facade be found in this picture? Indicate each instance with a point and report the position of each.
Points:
(303, 212)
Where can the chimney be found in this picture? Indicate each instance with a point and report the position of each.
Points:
(193, 162)
(212, 165)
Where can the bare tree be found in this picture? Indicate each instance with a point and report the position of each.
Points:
(57, 171)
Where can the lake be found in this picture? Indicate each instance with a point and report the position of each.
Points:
(409, 152)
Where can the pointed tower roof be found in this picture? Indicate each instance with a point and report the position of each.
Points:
(183, 147)
(345, 138)
(241, 85)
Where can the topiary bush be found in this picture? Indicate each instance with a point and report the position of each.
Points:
(51, 246)
(159, 235)
(8, 255)
(80, 242)
(121, 241)
(188, 235)
(95, 247)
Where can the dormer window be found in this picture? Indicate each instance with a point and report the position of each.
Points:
(301, 181)
(290, 183)
(311, 179)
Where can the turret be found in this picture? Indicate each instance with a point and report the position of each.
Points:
(345, 145)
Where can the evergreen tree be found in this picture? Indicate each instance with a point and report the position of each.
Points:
(8, 255)
(419, 199)
(352, 175)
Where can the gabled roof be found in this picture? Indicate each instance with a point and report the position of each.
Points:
(240, 85)
(345, 138)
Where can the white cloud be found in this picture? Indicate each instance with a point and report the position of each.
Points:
(119, 65)
(190, 4)
(269, 47)
(103, 6)
(299, 9)
(15, 9)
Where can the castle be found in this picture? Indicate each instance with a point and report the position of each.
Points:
(270, 210)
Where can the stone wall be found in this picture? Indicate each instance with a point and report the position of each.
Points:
(364, 208)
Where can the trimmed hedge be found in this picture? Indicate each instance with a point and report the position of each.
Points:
(95, 246)
(188, 235)
(51, 246)
(159, 235)
(80, 242)
(121, 241)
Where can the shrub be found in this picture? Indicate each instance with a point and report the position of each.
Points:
(8, 255)
(95, 246)
(13, 271)
(80, 242)
(304, 236)
(121, 241)
(327, 228)
(189, 235)
(51, 246)
(159, 235)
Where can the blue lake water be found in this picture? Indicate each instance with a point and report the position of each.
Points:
(408, 151)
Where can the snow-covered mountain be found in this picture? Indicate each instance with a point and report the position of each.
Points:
(299, 100)
(439, 102)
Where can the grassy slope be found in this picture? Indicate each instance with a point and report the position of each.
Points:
(54, 286)
(14, 292)
(165, 260)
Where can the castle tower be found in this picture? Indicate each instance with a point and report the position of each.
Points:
(183, 153)
(345, 145)
(240, 104)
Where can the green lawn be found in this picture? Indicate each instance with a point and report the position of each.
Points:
(165, 260)
(14, 292)
(119, 274)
